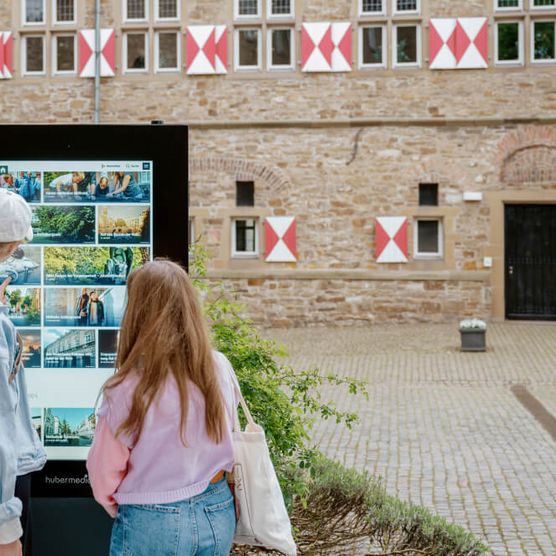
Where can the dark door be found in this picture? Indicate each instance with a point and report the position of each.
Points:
(530, 232)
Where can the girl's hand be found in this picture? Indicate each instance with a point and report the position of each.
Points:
(3, 301)
(12, 549)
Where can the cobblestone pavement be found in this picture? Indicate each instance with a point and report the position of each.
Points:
(442, 428)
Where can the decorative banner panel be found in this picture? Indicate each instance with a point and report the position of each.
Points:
(280, 239)
(326, 47)
(458, 43)
(391, 239)
(6, 55)
(206, 50)
(87, 53)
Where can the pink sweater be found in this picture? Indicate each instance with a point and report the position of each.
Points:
(158, 469)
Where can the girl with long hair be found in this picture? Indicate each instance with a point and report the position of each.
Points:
(163, 438)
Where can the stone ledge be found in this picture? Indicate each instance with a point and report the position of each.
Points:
(333, 274)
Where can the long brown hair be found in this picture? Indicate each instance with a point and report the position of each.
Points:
(164, 333)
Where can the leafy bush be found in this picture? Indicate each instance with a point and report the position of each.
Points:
(333, 509)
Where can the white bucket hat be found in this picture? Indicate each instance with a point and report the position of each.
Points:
(15, 218)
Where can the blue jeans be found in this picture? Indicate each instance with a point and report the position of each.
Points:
(200, 526)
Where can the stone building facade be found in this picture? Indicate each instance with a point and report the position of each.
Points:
(335, 150)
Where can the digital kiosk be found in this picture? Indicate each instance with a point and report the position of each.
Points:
(105, 200)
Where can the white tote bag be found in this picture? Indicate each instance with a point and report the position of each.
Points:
(263, 518)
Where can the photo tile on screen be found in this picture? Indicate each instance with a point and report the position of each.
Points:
(24, 305)
(32, 347)
(92, 266)
(37, 419)
(63, 225)
(124, 224)
(69, 348)
(28, 184)
(23, 266)
(107, 348)
(69, 426)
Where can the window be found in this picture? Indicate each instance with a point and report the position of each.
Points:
(33, 55)
(509, 42)
(33, 11)
(540, 4)
(406, 6)
(280, 8)
(244, 237)
(64, 11)
(245, 194)
(542, 39)
(64, 54)
(167, 9)
(371, 7)
(247, 8)
(372, 42)
(248, 49)
(167, 51)
(507, 4)
(135, 51)
(135, 10)
(281, 49)
(428, 238)
(407, 47)
(428, 194)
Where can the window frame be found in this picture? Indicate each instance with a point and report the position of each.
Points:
(245, 254)
(125, 17)
(534, 8)
(439, 255)
(407, 65)
(55, 70)
(159, 19)
(249, 17)
(273, 17)
(157, 68)
(395, 10)
(237, 66)
(270, 66)
(532, 39)
(132, 71)
(383, 64)
(361, 13)
(26, 23)
(499, 9)
(25, 71)
(521, 38)
(55, 12)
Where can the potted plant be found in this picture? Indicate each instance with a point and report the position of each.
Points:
(473, 335)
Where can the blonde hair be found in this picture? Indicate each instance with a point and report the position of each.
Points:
(164, 334)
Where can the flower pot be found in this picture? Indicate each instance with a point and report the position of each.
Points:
(473, 340)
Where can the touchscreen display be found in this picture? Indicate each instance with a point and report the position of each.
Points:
(92, 225)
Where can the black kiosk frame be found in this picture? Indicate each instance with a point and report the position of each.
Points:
(66, 520)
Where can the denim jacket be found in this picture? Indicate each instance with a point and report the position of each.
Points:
(20, 449)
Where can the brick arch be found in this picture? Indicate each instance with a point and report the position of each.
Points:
(242, 169)
(528, 155)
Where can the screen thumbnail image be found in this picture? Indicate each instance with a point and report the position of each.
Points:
(63, 224)
(31, 348)
(92, 266)
(66, 427)
(107, 348)
(69, 349)
(23, 266)
(124, 224)
(36, 418)
(84, 306)
(24, 306)
(26, 184)
(117, 187)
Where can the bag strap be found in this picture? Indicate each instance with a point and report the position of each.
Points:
(243, 403)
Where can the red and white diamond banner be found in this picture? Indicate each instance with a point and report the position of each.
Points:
(280, 239)
(6, 54)
(460, 43)
(206, 50)
(391, 239)
(87, 53)
(326, 47)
